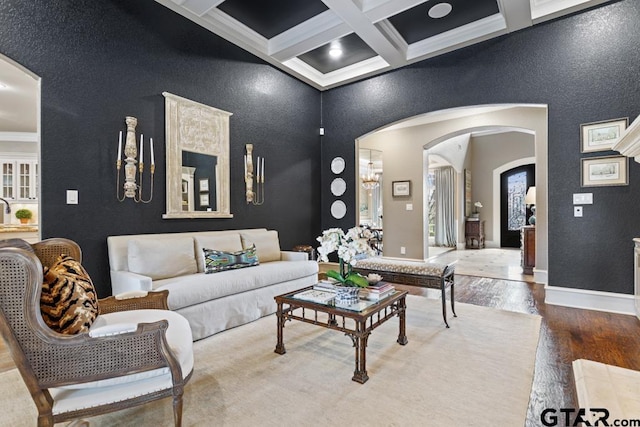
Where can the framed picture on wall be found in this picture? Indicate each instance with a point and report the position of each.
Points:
(204, 184)
(204, 199)
(601, 136)
(602, 171)
(401, 188)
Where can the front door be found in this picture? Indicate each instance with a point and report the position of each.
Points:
(514, 214)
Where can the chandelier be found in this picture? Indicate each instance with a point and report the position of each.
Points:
(370, 180)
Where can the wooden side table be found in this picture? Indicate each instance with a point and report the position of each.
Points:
(474, 234)
(528, 248)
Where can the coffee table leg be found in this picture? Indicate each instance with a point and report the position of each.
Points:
(402, 311)
(360, 343)
(280, 345)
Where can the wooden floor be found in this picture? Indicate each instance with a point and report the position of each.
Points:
(566, 334)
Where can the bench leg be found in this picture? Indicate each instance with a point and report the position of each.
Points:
(444, 304)
(453, 310)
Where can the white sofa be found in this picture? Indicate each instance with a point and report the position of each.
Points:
(216, 301)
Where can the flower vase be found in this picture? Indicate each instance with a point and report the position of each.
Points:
(347, 294)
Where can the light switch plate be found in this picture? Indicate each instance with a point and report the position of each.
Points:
(582, 198)
(409, 206)
(72, 197)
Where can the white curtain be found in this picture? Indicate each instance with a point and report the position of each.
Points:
(445, 233)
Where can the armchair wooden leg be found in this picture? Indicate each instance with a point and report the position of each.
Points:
(177, 410)
(45, 420)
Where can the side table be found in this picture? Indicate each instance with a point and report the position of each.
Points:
(474, 233)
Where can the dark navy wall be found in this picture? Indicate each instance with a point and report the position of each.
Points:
(103, 60)
(585, 67)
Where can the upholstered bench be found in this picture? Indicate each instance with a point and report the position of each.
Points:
(415, 273)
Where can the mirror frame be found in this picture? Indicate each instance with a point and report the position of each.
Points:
(209, 135)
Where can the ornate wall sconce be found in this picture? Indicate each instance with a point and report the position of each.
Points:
(131, 189)
(254, 197)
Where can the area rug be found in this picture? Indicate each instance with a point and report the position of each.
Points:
(609, 387)
(477, 373)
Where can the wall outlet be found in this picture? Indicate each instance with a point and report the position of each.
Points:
(409, 206)
(403, 250)
(577, 211)
(72, 197)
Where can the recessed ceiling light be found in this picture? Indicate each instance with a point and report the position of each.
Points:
(440, 10)
(335, 52)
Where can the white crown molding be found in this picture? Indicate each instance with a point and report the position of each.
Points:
(466, 35)
(629, 142)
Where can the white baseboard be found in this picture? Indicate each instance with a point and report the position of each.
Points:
(590, 300)
(540, 276)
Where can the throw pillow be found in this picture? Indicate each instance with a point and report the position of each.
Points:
(266, 242)
(215, 261)
(220, 241)
(161, 258)
(68, 302)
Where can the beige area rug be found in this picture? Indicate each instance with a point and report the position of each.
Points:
(610, 387)
(477, 373)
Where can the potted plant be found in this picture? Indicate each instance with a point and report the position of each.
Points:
(350, 246)
(24, 215)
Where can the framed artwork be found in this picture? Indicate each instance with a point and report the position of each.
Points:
(401, 188)
(204, 184)
(602, 171)
(467, 192)
(204, 199)
(601, 136)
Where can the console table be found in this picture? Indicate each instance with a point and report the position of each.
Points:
(474, 233)
(528, 248)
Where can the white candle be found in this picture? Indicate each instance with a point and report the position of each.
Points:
(141, 147)
(258, 171)
(262, 174)
(153, 162)
(119, 147)
(245, 166)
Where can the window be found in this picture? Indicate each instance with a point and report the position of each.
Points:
(516, 209)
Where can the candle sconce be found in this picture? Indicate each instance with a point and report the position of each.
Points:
(131, 189)
(253, 197)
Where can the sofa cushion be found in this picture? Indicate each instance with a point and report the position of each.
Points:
(216, 261)
(267, 244)
(162, 258)
(198, 288)
(227, 242)
(68, 301)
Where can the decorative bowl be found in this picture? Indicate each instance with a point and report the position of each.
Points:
(373, 278)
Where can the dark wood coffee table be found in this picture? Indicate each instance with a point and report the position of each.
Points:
(356, 321)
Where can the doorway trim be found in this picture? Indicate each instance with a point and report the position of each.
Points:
(495, 242)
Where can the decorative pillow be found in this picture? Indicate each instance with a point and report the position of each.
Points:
(215, 261)
(266, 243)
(220, 241)
(161, 258)
(68, 302)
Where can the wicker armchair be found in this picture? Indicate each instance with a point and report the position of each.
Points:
(149, 357)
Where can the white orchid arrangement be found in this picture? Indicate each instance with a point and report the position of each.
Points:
(351, 246)
(477, 205)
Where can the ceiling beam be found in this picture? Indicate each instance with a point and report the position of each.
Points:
(367, 31)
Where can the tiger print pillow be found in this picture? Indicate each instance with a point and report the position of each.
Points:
(68, 303)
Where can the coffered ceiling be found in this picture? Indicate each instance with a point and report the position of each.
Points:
(303, 37)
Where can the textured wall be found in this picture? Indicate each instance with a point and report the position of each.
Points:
(584, 67)
(101, 61)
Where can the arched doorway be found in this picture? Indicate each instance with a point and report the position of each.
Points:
(414, 135)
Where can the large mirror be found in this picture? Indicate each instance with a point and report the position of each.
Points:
(197, 159)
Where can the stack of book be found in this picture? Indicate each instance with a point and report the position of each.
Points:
(324, 285)
(377, 292)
